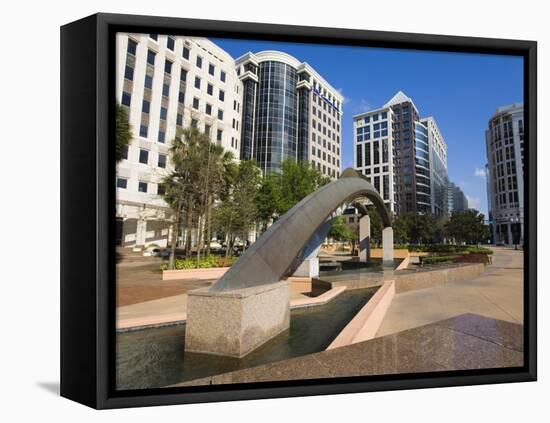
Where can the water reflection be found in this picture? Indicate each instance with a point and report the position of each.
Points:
(155, 357)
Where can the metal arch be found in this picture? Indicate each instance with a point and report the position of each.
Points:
(272, 256)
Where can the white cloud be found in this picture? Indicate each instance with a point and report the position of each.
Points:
(357, 106)
(473, 202)
(346, 98)
(480, 172)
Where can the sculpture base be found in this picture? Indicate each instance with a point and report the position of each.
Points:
(234, 323)
(308, 269)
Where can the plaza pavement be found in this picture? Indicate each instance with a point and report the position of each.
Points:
(498, 294)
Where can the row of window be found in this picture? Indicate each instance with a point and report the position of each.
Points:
(326, 157)
(324, 169)
(186, 53)
(323, 116)
(144, 157)
(143, 186)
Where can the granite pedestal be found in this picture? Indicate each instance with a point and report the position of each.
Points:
(234, 323)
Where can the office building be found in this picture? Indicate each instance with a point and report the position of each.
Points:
(403, 156)
(167, 83)
(457, 200)
(289, 112)
(505, 169)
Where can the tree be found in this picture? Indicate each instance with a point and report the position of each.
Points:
(202, 172)
(280, 191)
(415, 228)
(468, 226)
(238, 212)
(123, 132)
(340, 231)
(245, 189)
(180, 184)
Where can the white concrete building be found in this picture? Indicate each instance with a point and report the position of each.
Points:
(505, 150)
(373, 151)
(166, 83)
(289, 112)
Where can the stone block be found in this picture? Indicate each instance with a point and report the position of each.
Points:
(234, 323)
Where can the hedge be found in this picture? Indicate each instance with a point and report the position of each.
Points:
(205, 262)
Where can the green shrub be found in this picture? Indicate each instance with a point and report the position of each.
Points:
(438, 259)
(205, 262)
(479, 250)
(400, 247)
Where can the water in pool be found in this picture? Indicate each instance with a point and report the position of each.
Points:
(153, 358)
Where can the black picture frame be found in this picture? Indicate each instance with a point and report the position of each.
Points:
(88, 213)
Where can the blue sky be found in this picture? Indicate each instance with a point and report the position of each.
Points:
(460, 90)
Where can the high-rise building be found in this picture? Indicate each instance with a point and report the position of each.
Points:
(438, 168)
(403, 156)
(505, 150)
(289, 112)
(456, 199)
(166, 83)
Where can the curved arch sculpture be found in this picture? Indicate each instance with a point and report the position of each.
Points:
(274, 254)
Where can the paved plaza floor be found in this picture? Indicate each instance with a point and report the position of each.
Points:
(498, 293)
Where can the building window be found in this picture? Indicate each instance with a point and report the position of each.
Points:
(151, 57)
(195, 103)
(126, 98)
(143, 156)
(163, 113)
(197, 83)
(199, 62)
(194, 123)
(122, 183)
(209, 89)
(219, 135)
(145, 106)
(154, 37)
(165, 90)
(208, 109)
(148, 81)
(179, 119)
(143, 130)
(132, 46)
(222, 76)
(125, 152)
(162, 136)
(220, 114)
(181, 97)
(170, 43)
(161, 189)
(162, 161)
(142, 187)
(129, 73)
(222, 95)
(211, 69)
(167, 66)
(185, 53)
(183, 75)
(207, 129)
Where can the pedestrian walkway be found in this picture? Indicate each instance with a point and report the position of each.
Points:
(173, 310)
(498, 294)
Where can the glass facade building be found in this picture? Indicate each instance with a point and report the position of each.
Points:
(403, 156)
(289, 112)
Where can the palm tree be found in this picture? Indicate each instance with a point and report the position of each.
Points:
(123, 131)
(201, 175)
